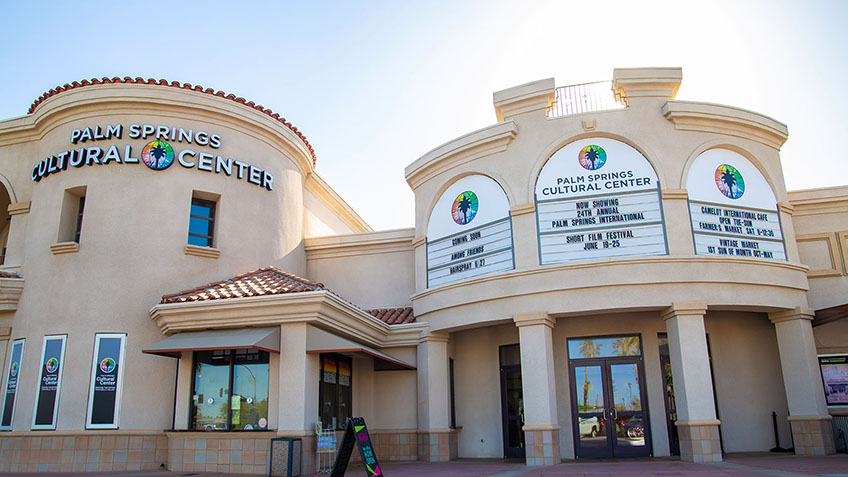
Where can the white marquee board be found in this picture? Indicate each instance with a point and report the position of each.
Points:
(598, 198)
(732, 208)
(469, 232)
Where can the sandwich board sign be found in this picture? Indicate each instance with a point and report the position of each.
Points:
(356, 433)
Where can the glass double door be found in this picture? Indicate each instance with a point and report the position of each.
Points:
(609, 417)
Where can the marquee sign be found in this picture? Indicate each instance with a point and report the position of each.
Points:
(157, 153)
(595, 199)
(469, 232)
(732, 208)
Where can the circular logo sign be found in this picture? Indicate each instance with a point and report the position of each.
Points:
(729, 181)
(14, 370)
(263, 422)
(592, 157)
(52, 365)
(464, 207)
(107, 365)
(157, 155)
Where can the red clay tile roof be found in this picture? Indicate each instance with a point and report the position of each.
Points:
(172, 84)
(273, 281)
(394, 316)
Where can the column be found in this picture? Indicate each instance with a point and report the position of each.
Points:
(697, 425)
(541, 427)
(436, 442)
(812, 433)
(297, 393)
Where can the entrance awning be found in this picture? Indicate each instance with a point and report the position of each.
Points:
(265, 339)
(320, 341)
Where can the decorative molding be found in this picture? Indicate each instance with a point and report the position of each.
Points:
(694, 308)
(19, 208)
(64, 247)
(10, 293)
(646, 83)
(522, 209)
(799, 313)
(675, 194)
(698, 422)
(322, 192)
(366, 243)
(810, 417)
(205, 252)
(786, 208)
(824, 201)
(835, 269)
(589, 124)
(419, 241)
(534, 319)
(447, 157)
(842, 237)
(727, 120)
(5, 333)
(525, 98)
(429, 336)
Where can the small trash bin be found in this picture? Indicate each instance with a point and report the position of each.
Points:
(285, 457)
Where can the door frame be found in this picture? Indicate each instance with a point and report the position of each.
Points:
(509, 452)
(611, 450)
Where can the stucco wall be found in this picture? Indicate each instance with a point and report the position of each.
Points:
(478, 389)
(373, 270)
(134, 234)
(748, 381)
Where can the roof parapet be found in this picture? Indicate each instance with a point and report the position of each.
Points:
(646, 83)
(526, 98)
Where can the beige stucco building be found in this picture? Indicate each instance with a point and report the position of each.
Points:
(597, 274)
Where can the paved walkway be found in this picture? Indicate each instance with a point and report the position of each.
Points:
(734, 465)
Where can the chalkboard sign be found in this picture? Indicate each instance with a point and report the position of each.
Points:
(356, 433)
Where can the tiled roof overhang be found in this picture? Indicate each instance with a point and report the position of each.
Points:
(172, 84)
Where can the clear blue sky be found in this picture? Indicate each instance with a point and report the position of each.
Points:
(376, 84)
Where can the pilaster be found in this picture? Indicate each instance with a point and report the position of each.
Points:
(809, 420)
(693, 388)
(436, 441)
(538, 380)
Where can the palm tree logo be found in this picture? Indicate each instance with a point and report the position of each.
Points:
(592, 157)
(729, 181)
(157, 155)
(464, 207)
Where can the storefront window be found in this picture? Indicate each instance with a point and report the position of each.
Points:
(335, 391)
(216, 373)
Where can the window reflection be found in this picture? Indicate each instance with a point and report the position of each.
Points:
(214, 406)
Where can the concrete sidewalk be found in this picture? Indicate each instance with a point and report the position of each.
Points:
(758, 464)
(734, 465)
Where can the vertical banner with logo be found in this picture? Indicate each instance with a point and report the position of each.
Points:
(12, 384)
(49, 382)
(107, 372)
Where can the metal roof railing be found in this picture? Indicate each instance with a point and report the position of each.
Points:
(583, 98)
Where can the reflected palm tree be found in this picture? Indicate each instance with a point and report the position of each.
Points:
(626, 346)
(588, 349)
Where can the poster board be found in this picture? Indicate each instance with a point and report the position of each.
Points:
(356, 434)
